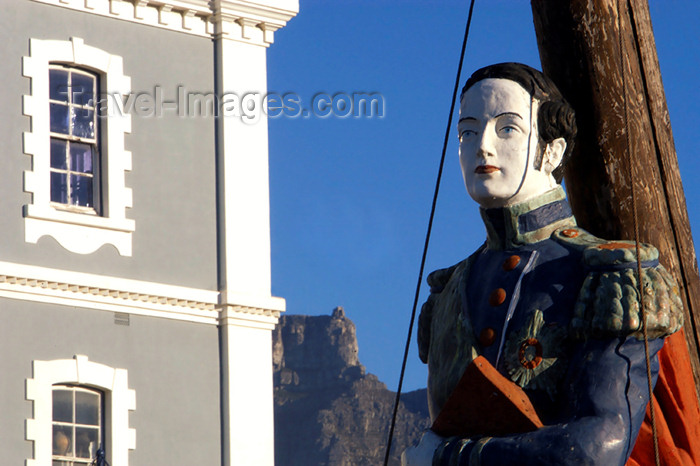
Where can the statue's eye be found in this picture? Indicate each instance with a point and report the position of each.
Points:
(466, 133)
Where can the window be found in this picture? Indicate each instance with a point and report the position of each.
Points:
(79, 408)
(77, 425)
(74, 131)
(77, 180)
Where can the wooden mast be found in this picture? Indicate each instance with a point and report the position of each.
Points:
(580, 50)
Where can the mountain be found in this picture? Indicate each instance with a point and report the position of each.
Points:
(328, 410)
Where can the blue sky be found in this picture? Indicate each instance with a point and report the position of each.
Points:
(350, 197)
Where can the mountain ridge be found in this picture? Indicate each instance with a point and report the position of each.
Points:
(328, 410)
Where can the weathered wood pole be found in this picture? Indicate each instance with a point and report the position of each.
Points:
(580, 50)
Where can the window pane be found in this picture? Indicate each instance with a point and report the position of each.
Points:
(87, 408)
(63, 405)
(83, 89)
(59, 118)
(81, 157)
(83, 123)
(58, 153)
(62, 440)
(81, 190)
(59, 188)
(85, 442)
(58, 85)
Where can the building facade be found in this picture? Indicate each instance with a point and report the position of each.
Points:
(135, 259)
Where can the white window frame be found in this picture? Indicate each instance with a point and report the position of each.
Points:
(70, 139)
(78, 232)
(118, 401)
(73, 425)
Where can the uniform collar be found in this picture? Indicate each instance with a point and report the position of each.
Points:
(528, 222)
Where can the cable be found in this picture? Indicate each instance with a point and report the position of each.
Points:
(427, 236)
(635, 220)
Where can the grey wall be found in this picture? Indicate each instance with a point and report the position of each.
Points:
(173, 368)
(173, 176)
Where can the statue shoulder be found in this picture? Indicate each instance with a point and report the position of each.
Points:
(608, 304)
(438, 280)
(602, 253)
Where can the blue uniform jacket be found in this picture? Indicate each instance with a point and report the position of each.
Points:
(556, 311)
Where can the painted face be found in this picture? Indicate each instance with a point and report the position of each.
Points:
(498, 142)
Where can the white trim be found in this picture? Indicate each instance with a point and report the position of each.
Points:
(108, 303)
(202, 18)
(101, 292)
(247, 396)
(32, 272)
(242, 316)
(77, 232)
(119, 400)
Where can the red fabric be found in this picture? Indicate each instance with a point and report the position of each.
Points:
(676, 409)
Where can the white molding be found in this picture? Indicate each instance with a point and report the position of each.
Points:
(202, 18)
(276, 12)
(78, 232)
(243, 301)
(105, 293)
(119, 400)
(247, 396)
(250, 317)
(32, 272)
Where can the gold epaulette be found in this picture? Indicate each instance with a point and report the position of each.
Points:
(608, 304)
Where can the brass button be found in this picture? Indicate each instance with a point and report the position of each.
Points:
(570, 233)
(511, 263)
(487, 337)
(497, 297)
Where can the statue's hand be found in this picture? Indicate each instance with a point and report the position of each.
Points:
(422, 454)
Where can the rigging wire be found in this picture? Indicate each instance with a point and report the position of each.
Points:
(640, 285)
(427, 236)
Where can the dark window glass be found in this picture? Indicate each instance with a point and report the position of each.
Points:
(59, 187)
(83, 122)
(74, 139)
(87, 408)
(77, 425)
(60, 118)
(85, 442)
(62, 405)
(58, 85)
(58, 153)
(81, 157)
(62, 440)
(82, 87)
(81, 190)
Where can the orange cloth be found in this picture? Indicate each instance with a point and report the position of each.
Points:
(676, 410)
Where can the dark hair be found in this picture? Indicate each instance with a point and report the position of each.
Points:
(555, 117)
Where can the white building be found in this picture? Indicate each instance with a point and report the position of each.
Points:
(135, 254)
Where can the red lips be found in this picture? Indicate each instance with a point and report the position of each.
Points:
(486, 169)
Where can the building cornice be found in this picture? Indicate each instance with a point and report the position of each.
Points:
(204, 18)
(278, 12)
(135, 297)
(247, 316)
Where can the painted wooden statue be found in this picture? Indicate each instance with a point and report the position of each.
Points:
(554, 309)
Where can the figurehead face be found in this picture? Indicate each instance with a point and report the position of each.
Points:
(505, 158)
(498, 145)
